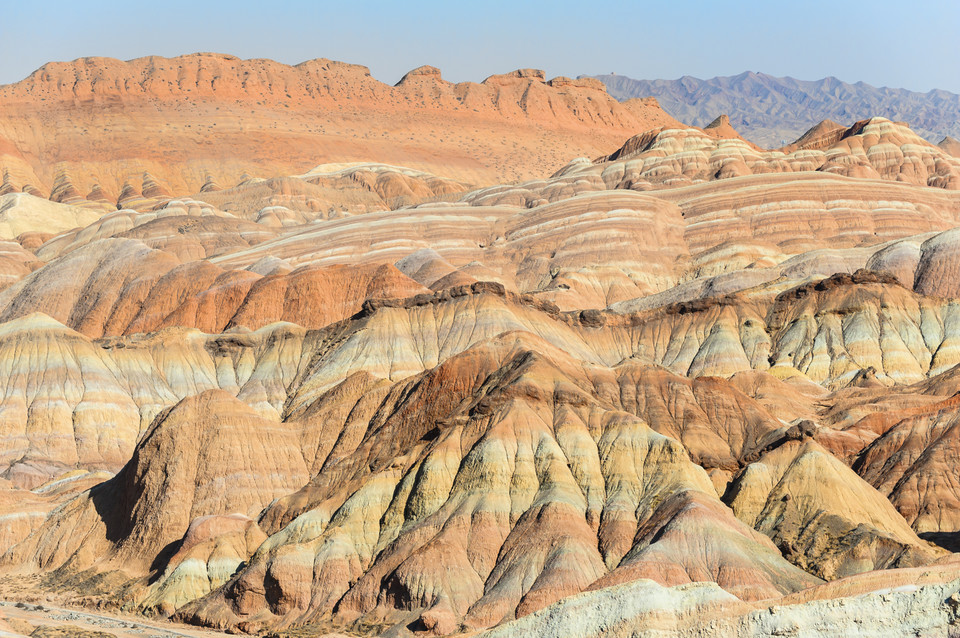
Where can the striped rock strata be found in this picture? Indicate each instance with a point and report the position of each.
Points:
(673, 389)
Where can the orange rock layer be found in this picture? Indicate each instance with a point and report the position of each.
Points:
(654, 391)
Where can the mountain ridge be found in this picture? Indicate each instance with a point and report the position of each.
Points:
(688, 385)
(773, 111)
(103, 120)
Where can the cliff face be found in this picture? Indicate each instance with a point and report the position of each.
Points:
(188, 118)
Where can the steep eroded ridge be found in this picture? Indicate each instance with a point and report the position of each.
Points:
(185, 119)
(691, 386)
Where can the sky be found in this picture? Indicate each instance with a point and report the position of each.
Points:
(901, 44)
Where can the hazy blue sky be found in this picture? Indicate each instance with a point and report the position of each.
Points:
(905, 44)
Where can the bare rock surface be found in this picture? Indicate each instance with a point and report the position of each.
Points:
(402, 366)
(177, 121)
(772, 109)
(645, 609)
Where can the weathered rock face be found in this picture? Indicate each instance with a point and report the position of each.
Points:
(210, 552)
(21, 213)
(583, 477)
(221, 116)
(874, 148)
(135, 518)
(400, 457)
(486, 408)
(821, 515)
(911, 464)
(50, 426)
(22, 511)
(367, 399)
(643, 609)
(122, 286)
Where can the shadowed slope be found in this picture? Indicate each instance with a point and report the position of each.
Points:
(235, 462)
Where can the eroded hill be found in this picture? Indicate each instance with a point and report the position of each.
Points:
(771, 109)
(100, 123)
(687, 385)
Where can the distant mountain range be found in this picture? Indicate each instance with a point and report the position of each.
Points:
(768, 110)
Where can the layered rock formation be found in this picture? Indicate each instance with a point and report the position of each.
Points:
(691, 385)
(121, 286)
(330, 191)
(132, 519)
(910, 462)
(643, 609)
(219, 116)
(485, 392)
(873, 148)
(22, 213)
(822, 516)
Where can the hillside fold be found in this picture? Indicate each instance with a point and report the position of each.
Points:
(619, 376)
